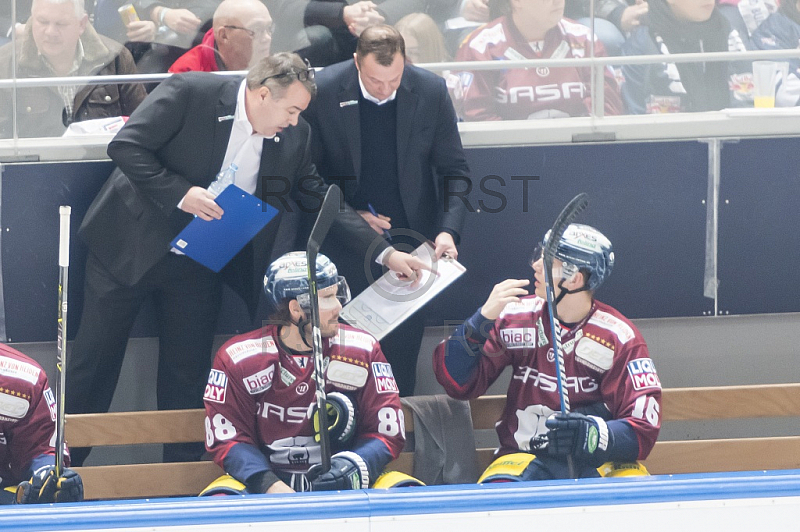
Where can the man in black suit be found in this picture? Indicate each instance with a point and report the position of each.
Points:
(168, 153)
(387, 133)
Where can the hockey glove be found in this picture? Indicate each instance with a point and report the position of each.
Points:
(348, 472)
(341, 419)
(574, 434)
(44, 487)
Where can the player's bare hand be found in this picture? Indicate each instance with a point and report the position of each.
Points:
(445, 246)
(407, 267)
(476, 10)
(200, 202)
(182, 20)
(379, 223)
(508, 291)
(632, 16)
(280, 487)
(141, 31)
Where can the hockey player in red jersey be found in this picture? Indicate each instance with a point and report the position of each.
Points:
(27, 436)
(260, 398)
(612, 383)
(534, 29)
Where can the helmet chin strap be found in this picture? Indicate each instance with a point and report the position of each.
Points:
(563, 291)
(301, 327)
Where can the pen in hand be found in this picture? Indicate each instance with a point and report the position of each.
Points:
(375, 214)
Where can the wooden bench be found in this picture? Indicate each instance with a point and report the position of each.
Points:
(679, 404)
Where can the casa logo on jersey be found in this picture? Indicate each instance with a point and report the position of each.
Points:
(17, 369)
(13, 407)
(384, 378)
(540, 93)
(519, 337)
(259, 382)
(346, 376)
(643, 374)
(51, 403)
(217, 387)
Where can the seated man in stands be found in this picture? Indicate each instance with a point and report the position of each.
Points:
(260, 397)
(60, 42)
(241, 35)
(27, 428)
(612, 385)
(680, 27)
(532, 29)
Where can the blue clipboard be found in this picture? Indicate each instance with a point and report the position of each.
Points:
(214, 243)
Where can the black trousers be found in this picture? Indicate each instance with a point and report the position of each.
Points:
(187, 299)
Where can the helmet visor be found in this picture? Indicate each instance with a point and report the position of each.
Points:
(329, 297)
(561, 269)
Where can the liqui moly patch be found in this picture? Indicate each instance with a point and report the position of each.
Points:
(384, 378)
(217, 387)
(643, 374)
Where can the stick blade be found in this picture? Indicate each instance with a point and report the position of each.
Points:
(576, 205)
(325, 217)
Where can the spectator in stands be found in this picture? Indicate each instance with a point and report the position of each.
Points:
(27, 427)
(400, 123)
(614, 391)
(613, 18)
(746, 16)
(781, 31)
(425, 44)
(325, 31)
(59, 41)
(241, 34)
(138, 35)
(424, 41)
(685, 26)
(181, 22)
(188, 129)
(534, 29)
(272, 370)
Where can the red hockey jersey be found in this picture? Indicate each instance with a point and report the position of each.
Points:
(527, 93)
(27, 415)
(605, 358)
(258, 394)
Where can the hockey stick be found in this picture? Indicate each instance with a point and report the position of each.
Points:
(573, 208)
(64, 212)
(327, 213)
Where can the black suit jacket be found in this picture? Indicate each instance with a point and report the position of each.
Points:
(430, 156)
(177, 139)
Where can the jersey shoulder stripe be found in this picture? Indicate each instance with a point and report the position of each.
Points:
(250, 347)
(621, 330)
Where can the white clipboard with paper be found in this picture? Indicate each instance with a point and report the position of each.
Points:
(389, 301)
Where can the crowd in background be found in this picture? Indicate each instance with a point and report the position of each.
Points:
(114, 37)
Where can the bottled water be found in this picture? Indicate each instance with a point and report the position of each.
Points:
(224, 178)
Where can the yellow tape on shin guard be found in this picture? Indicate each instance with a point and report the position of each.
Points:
(508, 468)
(623, 469)
(224, 485)
(396, 479)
